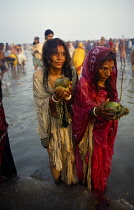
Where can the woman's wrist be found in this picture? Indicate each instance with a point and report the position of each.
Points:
(68, 98)
(45, 142)
(55, 99)
(94, 111)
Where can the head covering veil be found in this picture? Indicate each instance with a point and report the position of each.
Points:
(92, 64)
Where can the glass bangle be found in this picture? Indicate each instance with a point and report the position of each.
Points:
(94, 111)
(68, 98)
(54, 99)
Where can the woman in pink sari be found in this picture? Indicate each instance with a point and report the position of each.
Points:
(93, 126)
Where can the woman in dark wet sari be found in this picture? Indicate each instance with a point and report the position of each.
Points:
(7, 167)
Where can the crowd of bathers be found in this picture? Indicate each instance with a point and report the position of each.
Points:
(13, 56)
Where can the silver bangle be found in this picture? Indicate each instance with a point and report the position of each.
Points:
(54, 99)
(94, 111)
(68, 98)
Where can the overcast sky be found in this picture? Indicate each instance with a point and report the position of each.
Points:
(22, 20)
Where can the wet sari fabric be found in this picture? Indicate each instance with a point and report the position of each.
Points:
(7, 166)
(3, 131)
(88, 95)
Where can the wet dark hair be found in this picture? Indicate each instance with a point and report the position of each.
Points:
(109, 57)
(50, 48)
(48, 31)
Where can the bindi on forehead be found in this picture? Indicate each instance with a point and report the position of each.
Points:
(60, 48)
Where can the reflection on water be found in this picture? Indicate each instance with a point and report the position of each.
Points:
(32, 160)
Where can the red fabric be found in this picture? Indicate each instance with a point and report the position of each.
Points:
(111, 44)
(3, 131)
(102, 157)
(104, 132)
(3, 123)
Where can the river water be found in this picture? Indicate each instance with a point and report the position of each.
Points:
(35, 188)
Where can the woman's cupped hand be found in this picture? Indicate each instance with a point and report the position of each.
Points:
(104, 112)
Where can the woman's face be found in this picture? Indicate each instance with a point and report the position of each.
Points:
(58, 59)
(106, 69)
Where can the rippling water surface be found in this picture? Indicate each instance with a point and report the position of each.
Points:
(31, 159)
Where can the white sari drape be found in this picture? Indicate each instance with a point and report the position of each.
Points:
(60, 138)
